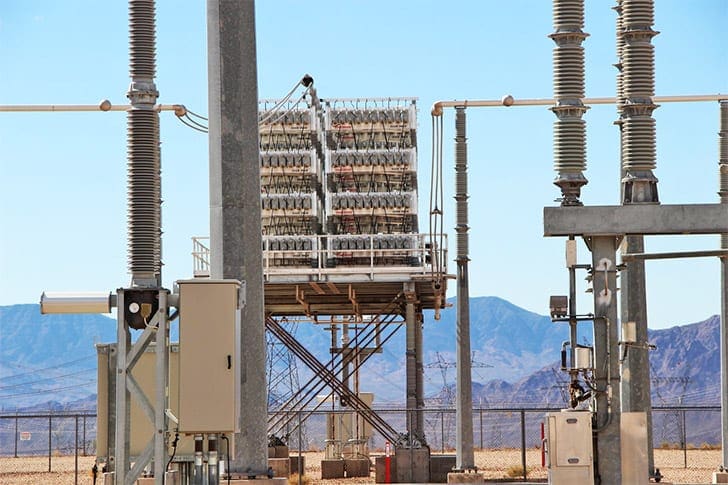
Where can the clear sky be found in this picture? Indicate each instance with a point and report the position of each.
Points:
(63, 175)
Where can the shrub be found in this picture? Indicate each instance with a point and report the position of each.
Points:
(293, 479)
(516, 471)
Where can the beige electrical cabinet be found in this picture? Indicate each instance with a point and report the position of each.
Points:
(141, 428)
(569, 450)
(209, 363)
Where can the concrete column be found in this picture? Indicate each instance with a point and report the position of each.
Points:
(420, 374)
(635, 384)
(465, 458)
(606, 360)
(411, 367)
(235, 227)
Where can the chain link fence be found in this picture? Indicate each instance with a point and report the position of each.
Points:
(507, 441)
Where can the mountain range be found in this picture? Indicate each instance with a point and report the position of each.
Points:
(49, 361)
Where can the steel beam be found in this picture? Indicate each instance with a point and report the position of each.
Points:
(636, 219)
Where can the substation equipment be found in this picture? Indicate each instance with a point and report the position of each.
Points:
(341, 249)
(605, 434)
(155, 401)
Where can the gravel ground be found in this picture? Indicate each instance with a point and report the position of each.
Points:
(494, 464)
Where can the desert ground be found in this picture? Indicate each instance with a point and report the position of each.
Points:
(494, 464)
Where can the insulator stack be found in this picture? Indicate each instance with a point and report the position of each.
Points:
(569, 128)
(461, 185)
(144, 195)
(618, 65)
(638, 87)
(142, 39)
(723, 161)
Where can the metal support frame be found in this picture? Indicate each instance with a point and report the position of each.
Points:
(126, 388)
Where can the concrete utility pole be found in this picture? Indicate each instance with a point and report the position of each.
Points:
(465, 458)
(235, 225)
(606, 361)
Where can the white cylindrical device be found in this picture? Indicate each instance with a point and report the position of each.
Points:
(583, 358)
(75, 302)
(629, 332)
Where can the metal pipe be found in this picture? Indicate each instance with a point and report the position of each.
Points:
(508, 101)
(105, 105)
(213, 477)
(198, 478)
(721, 253)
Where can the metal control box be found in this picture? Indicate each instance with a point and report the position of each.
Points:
(209, 361)
(568, 448)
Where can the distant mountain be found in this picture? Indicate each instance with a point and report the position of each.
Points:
(47, 359)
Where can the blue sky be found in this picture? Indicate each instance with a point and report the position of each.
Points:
(63, 175)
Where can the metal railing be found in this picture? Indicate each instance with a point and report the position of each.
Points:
(423, 258)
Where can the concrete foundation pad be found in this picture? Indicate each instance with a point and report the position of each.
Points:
(720, 477)
(281, 466)
(356, 467)
(332, 469)
(465, 477)
(297, 463)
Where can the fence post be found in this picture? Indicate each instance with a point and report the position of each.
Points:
(684, 440)
(76, 454)
(481, 428)
(50, 423)
(84, 434)
(16, 434)
(442, 430)
(523, 443)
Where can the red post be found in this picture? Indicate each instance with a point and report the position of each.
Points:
(387, 463)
